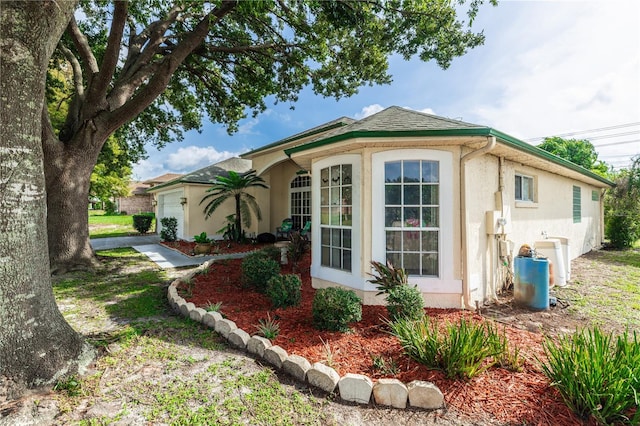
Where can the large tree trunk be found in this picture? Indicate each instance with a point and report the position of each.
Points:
(68, 170)
(36, 343)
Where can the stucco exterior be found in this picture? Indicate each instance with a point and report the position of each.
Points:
(436, 195)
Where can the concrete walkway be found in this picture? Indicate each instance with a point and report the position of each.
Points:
(163, 256)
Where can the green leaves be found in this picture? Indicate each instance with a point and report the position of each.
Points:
(597, 375)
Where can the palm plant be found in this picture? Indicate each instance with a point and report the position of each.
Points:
(234, 185)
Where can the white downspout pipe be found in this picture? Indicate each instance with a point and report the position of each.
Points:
(491, 143)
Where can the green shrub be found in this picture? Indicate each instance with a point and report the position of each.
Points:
(110, 208)
(622, 231)
(297, 246)
(271, 252)
(405, 301)
(284, 290)
(268, 328)
(597, 375)
(257, 270)
(387, 277)
(169, 230)
(142, 222)
(462, 351)
(334, 308)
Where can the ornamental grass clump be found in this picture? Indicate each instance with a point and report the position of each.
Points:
(284, 290)
(257, 270)
(335, 308)
(462, 351)
(597, 374)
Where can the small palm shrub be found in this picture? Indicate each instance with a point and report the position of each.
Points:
(142, 222)
(284, 290)
(257, 270)
(597, 375)
(462, 351)
(297, 247)
(268, 328)
(387, 277)
(169, 230)
(404, 301)
(334, 308)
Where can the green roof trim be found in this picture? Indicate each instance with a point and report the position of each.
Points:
(480, 131)
(296, 137)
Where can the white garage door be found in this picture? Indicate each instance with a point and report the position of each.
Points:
(169, 206)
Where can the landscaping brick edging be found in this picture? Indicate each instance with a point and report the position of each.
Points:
(356, 388)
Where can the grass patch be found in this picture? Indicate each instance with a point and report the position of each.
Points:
(102, 226)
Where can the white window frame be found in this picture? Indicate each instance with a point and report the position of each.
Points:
(348, 278)
(299, 189)
(445, 282)
(533, 181)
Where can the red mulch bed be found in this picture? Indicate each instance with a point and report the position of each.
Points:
(513, 398)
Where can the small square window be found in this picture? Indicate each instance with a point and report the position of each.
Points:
(524, 188)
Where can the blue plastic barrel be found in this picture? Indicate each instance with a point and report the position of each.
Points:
(531, 286)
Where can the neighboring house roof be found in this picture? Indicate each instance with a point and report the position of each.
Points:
(333, 124)
(138, 188)
(396, 122)
(162, 179)
(207, 175)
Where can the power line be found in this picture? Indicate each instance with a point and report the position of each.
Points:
(618, 126)
(616, 143)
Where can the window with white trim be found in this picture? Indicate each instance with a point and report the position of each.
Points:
(336, 220)
(412, 215)
(300, 197)
(524, 186)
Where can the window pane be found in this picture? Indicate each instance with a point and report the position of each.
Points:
(392, 216)
(411, 241)
(394, 241)
(346, 260)
(346, 174)
(335, 237)
(326, 258)
(518, 187)
(430, 171)
(411, 171)
(411, 263)
(430, 264)
(392, 171)
(325, 236)
(324, 215)
(412, 216)
(430, 241)
(395, 259)
(411, 194)
(335, 196)
(335, 175)
(347, 195)
(430, 195)
(526, 189)
(392, 194)
(336, 258)
(324, 197)
(324, 177)
(346, 238)
(335, 216)
(430, 217)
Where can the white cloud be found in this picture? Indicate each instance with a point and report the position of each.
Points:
(424, 110)
(187, 159)
(147, 169)
(247, 127)
(368, 110)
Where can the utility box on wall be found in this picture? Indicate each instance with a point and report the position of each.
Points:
(496, 223)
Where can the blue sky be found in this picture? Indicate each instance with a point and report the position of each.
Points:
(546, 68)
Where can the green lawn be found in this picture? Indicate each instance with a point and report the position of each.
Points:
(103, 226)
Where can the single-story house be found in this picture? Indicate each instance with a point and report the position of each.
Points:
(447, 200)
(137, 201)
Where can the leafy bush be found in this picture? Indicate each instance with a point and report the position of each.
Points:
(169, 230)
(257, 270)
(462, 351)
(334, 308)
(387, 277)
(271, 252)
(597, 375)
(142, 222)
(622, 230)
(110, 208)
(284, 290)
(404, 301)
(201, 238)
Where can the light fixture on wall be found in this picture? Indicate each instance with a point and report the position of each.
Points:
(154, 202)
(183, 200)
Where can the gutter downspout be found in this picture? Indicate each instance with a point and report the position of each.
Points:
(491, 143)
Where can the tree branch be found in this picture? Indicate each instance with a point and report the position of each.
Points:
(82, 44)
(101, 83)
(75, 67)
(158, 83)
